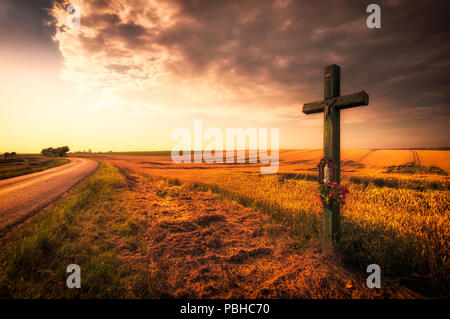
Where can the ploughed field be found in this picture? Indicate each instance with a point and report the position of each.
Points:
(396, 214)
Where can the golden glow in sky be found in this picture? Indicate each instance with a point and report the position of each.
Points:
(135, 70)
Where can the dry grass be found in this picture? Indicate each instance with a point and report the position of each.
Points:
(404, 231)
(134, 236)
(214, 248)
(400, 221)
(198, 232)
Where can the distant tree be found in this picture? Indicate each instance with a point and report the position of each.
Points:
(6, 155)
(13, 154)
(48, 151)
(60, 151)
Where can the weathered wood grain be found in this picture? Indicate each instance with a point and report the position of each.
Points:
(341, 102)
(332, 149)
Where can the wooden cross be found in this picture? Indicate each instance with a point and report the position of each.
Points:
(331, 106)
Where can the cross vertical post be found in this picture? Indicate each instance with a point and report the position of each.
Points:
(329, 166)
(332, 149)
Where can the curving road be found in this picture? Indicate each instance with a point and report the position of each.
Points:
(22, 196)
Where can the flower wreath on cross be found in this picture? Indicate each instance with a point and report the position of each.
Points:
(330, 191)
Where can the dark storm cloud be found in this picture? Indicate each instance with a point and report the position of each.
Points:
(289, 42)
(26, 31)
(404, 66)
(130, 32)
(26, 21)
(104, 19)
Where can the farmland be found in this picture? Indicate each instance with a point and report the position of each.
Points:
(26, 164)
(425, 164)
(395, 217)
(145, 227)
(141, 237)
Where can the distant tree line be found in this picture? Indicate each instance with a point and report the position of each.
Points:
(9, 154)
(60, 151)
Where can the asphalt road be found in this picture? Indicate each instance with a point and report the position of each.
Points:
(23, 196)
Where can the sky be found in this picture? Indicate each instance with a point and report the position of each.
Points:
(134, 71)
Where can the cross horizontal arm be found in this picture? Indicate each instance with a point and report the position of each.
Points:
(340, 102)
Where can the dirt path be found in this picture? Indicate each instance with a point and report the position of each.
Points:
(205, 247)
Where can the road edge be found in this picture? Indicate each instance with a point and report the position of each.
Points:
(36, 211)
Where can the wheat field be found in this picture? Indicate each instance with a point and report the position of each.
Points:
(396, 215)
